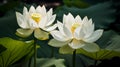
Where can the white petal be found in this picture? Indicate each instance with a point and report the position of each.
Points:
(24, 32)
(25, 14)
(91, 47)
(79, 34)
(50, 20)
(32, 10)
(51, 28)
(43, 10)
(78, 19)
(21, 21)
(88, 28)
(76, 44)
(33, 24)
(49, 13)
(65, 19)
(85, 22)
(60, 27)
(67, 31)
(49, 17)
(95, 36)
(71, 18)
(56, 43)
(38, 9)
(67, 22)
(43, 22)
(25, 11)
(85, 19)
(41, 35)
(90, 21)
(58, 36)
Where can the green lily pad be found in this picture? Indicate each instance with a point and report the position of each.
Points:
(2, 48)
(100, 55)
(15, 51)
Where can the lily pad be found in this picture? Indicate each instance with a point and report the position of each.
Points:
(15, 51)
(2, 48)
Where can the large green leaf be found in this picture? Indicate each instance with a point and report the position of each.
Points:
(104, 40)
(81, 60)
(99, 55)
(102, 14)
(15, 51)
(2, 48)
(115, 44)
(25, 61)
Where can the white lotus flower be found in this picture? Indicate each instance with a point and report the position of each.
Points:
(77, 33)
(37, 20)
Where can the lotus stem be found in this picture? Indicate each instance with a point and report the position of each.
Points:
(35, 52)
(74, 58)
(52, 52)
(95, 63)
(29, 63)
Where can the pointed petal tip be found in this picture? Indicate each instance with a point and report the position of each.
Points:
(51, 9)
(69, 13)
(85, 18)
(17, 13)
(58, 22)
(32, 7)
(43, 6)
(24, 7)
(100, 31)
(38, 6)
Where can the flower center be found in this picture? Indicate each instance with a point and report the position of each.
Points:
(36, 17)
(74, 26)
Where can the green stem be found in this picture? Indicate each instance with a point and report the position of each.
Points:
(95, 63)
(35, 53)
(74, 58)
(52, 52)
(29, 63)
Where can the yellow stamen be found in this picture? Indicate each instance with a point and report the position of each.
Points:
(74, 26)
(36, 17)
